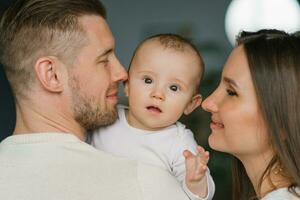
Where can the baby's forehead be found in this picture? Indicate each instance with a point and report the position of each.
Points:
(154, 44)
(153, 49)
(164, 45)
(152, 55)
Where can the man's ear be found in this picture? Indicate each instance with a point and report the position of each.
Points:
(49, 74)
(195, 102)
(126, 89)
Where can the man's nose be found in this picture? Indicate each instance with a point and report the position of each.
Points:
(119, 73)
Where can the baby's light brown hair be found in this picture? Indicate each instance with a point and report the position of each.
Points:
(175, 42)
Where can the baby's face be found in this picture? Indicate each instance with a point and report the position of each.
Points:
(162, 83)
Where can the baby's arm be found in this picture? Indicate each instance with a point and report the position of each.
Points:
(196, 167)
(185, 169)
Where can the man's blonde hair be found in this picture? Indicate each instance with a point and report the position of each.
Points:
(30, 29)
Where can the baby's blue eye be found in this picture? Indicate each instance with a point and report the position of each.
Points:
(148, 80)
(174, 88)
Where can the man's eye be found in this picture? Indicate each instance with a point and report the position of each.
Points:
(231, 92)
(148, 80)
(104, 62)
(174, 88)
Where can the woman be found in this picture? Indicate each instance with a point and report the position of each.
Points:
(256, 115)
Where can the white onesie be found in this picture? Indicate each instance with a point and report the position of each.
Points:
(163, 148)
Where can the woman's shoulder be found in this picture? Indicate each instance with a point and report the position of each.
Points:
(280, 194)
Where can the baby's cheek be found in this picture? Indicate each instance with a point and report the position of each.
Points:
(176, 111)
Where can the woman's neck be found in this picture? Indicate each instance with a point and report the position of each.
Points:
(255, 167)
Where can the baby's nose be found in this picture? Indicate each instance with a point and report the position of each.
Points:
(158, 94)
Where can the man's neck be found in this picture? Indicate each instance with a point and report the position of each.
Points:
(32, 118)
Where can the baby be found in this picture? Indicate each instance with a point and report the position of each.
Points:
(164, 76)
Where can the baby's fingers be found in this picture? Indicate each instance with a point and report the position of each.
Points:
(197, 174)
(200, 149)
(187, 154)
(202, 155)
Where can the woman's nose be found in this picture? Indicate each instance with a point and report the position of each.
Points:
(209, 104)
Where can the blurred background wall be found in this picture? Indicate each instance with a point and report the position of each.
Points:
(131, 21)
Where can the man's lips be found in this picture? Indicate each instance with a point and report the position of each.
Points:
(112, 96)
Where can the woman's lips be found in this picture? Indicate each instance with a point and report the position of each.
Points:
(216, 125)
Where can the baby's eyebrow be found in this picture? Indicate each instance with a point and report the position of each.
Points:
(230, 81)
(145, 72)
(180, 82)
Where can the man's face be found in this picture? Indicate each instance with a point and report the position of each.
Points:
(95, 75)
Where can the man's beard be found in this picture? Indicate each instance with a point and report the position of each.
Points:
(87, 112)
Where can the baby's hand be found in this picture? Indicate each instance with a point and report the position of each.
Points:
(196, 166)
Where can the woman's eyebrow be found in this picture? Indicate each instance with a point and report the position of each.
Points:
(230, 81)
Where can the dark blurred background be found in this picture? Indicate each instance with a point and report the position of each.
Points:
(131, 21)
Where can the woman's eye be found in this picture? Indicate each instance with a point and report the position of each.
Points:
(174, 88)
(148, 80)
(231, 92)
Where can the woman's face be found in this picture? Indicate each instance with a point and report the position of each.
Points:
(236, 122)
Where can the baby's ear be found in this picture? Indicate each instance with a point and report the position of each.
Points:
(126, 89)
(195, 102)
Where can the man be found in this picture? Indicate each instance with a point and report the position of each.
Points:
(59, 59)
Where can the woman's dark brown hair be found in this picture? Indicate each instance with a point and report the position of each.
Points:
(274, 61)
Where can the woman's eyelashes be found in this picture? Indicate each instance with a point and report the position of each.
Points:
(231, 92)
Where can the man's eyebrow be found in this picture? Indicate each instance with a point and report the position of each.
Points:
(105, 53)
(230, 81)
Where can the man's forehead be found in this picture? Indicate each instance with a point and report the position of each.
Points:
(98, 31)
